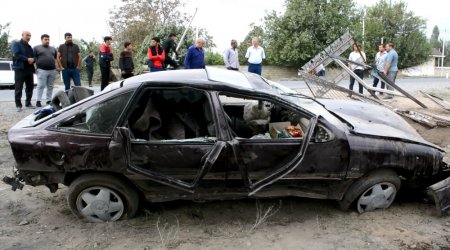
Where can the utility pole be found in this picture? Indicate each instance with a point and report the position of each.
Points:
(363, 27)
(443, 49)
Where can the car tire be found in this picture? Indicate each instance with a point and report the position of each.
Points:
(102, 197)
(375, 190)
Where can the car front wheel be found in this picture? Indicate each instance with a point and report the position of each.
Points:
(374, 191)
(102, 197)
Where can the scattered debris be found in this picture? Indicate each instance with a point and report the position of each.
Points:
(439, 101)
(427, 119)
(442, 121)
(24, 222)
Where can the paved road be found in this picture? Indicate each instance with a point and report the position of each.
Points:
(409, 84)
(7, 95)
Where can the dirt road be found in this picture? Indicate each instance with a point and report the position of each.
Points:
(36, 219)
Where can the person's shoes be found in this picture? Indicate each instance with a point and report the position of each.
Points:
(38, 104)
(30, 106)
(48, 102)
(19, 109)
(90, 85)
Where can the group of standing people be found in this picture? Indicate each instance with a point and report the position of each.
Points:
(255, 55)
(386, 61)
(67, 60)
(48, 62)
(159, 56)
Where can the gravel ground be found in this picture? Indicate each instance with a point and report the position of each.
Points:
(36, 219)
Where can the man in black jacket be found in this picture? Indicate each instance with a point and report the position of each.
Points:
(23, 60)
(126, 64)
(89, 60)
(168, 46)
(69, 61)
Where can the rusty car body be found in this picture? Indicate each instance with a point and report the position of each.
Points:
(209, 134)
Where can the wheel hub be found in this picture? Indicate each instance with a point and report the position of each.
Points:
(379, 200)
(100, 206)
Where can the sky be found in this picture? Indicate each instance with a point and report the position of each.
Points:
(224, 20)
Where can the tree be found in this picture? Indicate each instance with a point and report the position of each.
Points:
(434, 39)
(137, 18)
(396, 24)
(213, 58)
(5, 46)
(306, 28)
(138, 21)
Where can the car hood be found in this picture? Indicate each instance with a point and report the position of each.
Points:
(375, 120)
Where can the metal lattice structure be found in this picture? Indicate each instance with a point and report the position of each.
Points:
(322, 88)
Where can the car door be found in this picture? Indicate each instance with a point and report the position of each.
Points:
(172, 138)
(262, 158)
(80, 139)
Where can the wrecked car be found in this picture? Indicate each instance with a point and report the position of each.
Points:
(214, 134)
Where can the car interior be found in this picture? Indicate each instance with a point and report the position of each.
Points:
(262, 119)
(172, 114)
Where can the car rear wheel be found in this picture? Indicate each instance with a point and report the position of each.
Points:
(374, 191)
(100, 197)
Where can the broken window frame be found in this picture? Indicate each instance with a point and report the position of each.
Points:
(123, 135)
(143, 91)
(255, 186)
(279, 102)
(82, 115)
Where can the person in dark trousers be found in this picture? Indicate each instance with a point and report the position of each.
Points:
(69, 61)
(231, 57)
(156, 56)
(104, 60)
(360, 57)
(255, 55)
(195, 56)
(90, 60)
(380, 57)
(126, 64)
(169, 46)
(45, 56)
(23, 60)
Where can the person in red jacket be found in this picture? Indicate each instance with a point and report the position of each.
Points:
(156, 56)
(104, 61)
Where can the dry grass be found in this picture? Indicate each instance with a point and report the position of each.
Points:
(168, 231)
(263, 214)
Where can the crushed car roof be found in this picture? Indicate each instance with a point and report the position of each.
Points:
(230, 78)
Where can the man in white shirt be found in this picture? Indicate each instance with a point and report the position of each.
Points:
(380, 58)
(355, 56)
(231, 57)
(255, 54)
